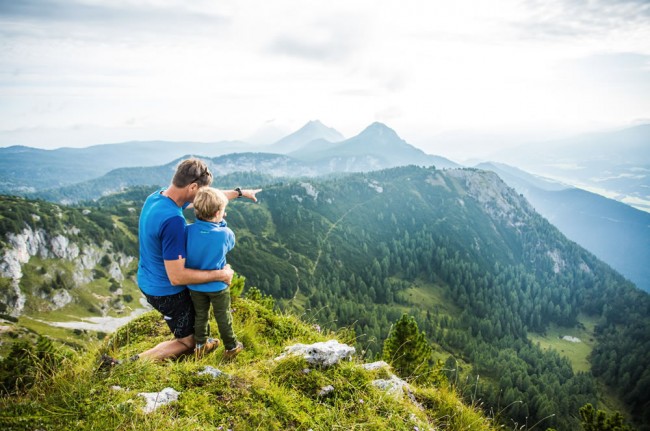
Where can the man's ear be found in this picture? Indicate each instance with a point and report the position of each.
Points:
(193, 187)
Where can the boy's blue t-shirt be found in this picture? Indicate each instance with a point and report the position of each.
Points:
(162, 237)
(207, 245)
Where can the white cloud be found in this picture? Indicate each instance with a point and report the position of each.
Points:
(219, 70)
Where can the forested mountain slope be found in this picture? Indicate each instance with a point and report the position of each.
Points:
(469, 257)
(480, 271)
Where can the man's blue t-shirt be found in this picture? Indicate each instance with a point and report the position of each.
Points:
(162, 237)
(207, 245)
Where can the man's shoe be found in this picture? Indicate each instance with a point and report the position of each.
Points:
(202, 349)
(229, 354)
(106, 362)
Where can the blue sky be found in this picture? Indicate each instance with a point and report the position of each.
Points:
(85, 72)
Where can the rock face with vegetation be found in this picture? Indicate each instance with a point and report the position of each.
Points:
(78, 261)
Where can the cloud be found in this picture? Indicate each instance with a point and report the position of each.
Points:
(334, 39)
(567, 19)
(110, 20)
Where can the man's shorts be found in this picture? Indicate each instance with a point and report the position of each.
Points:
(177, 310)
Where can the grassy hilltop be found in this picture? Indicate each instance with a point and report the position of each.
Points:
(257, 392)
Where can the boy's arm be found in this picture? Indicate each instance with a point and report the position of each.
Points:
(179, 275)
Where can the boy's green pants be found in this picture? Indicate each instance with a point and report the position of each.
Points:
(221, 305)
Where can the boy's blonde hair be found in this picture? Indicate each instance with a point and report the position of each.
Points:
(208, 201)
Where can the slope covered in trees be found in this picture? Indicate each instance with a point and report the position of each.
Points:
(354, 251)
(469, 260)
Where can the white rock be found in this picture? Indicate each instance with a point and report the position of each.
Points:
(62, 248)
(89, 257)
(60, 299)
(325, 390)
(393, 386)
(375, 186)
(124, 260)
(324, 353)
(375, 365)
(211, 371)
(310, 190)
(115, 271)
(157, 399)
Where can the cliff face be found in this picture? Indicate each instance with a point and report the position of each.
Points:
(21, 247)
(498, 200)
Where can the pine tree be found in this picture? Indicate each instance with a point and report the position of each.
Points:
(598, 420)
(407, 349)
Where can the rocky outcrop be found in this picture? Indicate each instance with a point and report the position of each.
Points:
(493, 195)
(21, 247)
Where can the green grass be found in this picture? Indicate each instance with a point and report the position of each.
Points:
(577, 353)
(258, 393)
(427, 296)
(76, 339)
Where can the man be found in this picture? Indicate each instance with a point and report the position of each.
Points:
(162, 275)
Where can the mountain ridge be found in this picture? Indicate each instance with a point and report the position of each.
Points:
(615, 232)
(377, 147)
(62, 168)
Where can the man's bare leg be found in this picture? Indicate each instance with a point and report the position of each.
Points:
(169, 349)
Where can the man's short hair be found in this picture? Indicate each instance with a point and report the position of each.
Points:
(208, 201)
(192, 171)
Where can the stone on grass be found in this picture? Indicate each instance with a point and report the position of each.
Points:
(323, 353)
(394, 386)
(157, 399)
(325, 390)
(211, 371)
(375, 365)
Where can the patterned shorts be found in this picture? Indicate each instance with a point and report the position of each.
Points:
(177, 310)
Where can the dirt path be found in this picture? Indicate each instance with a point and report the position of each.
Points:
(329, 231)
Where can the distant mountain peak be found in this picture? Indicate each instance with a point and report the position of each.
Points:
(314, 123)
(379, 133)
(317, 125)
(313, 130)
(378, 127)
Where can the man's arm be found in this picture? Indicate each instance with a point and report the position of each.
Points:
(245, 193)
(179, 275)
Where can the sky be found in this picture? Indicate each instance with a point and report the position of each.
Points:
(457, 78)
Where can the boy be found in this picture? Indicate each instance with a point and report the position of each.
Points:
(208, 240)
